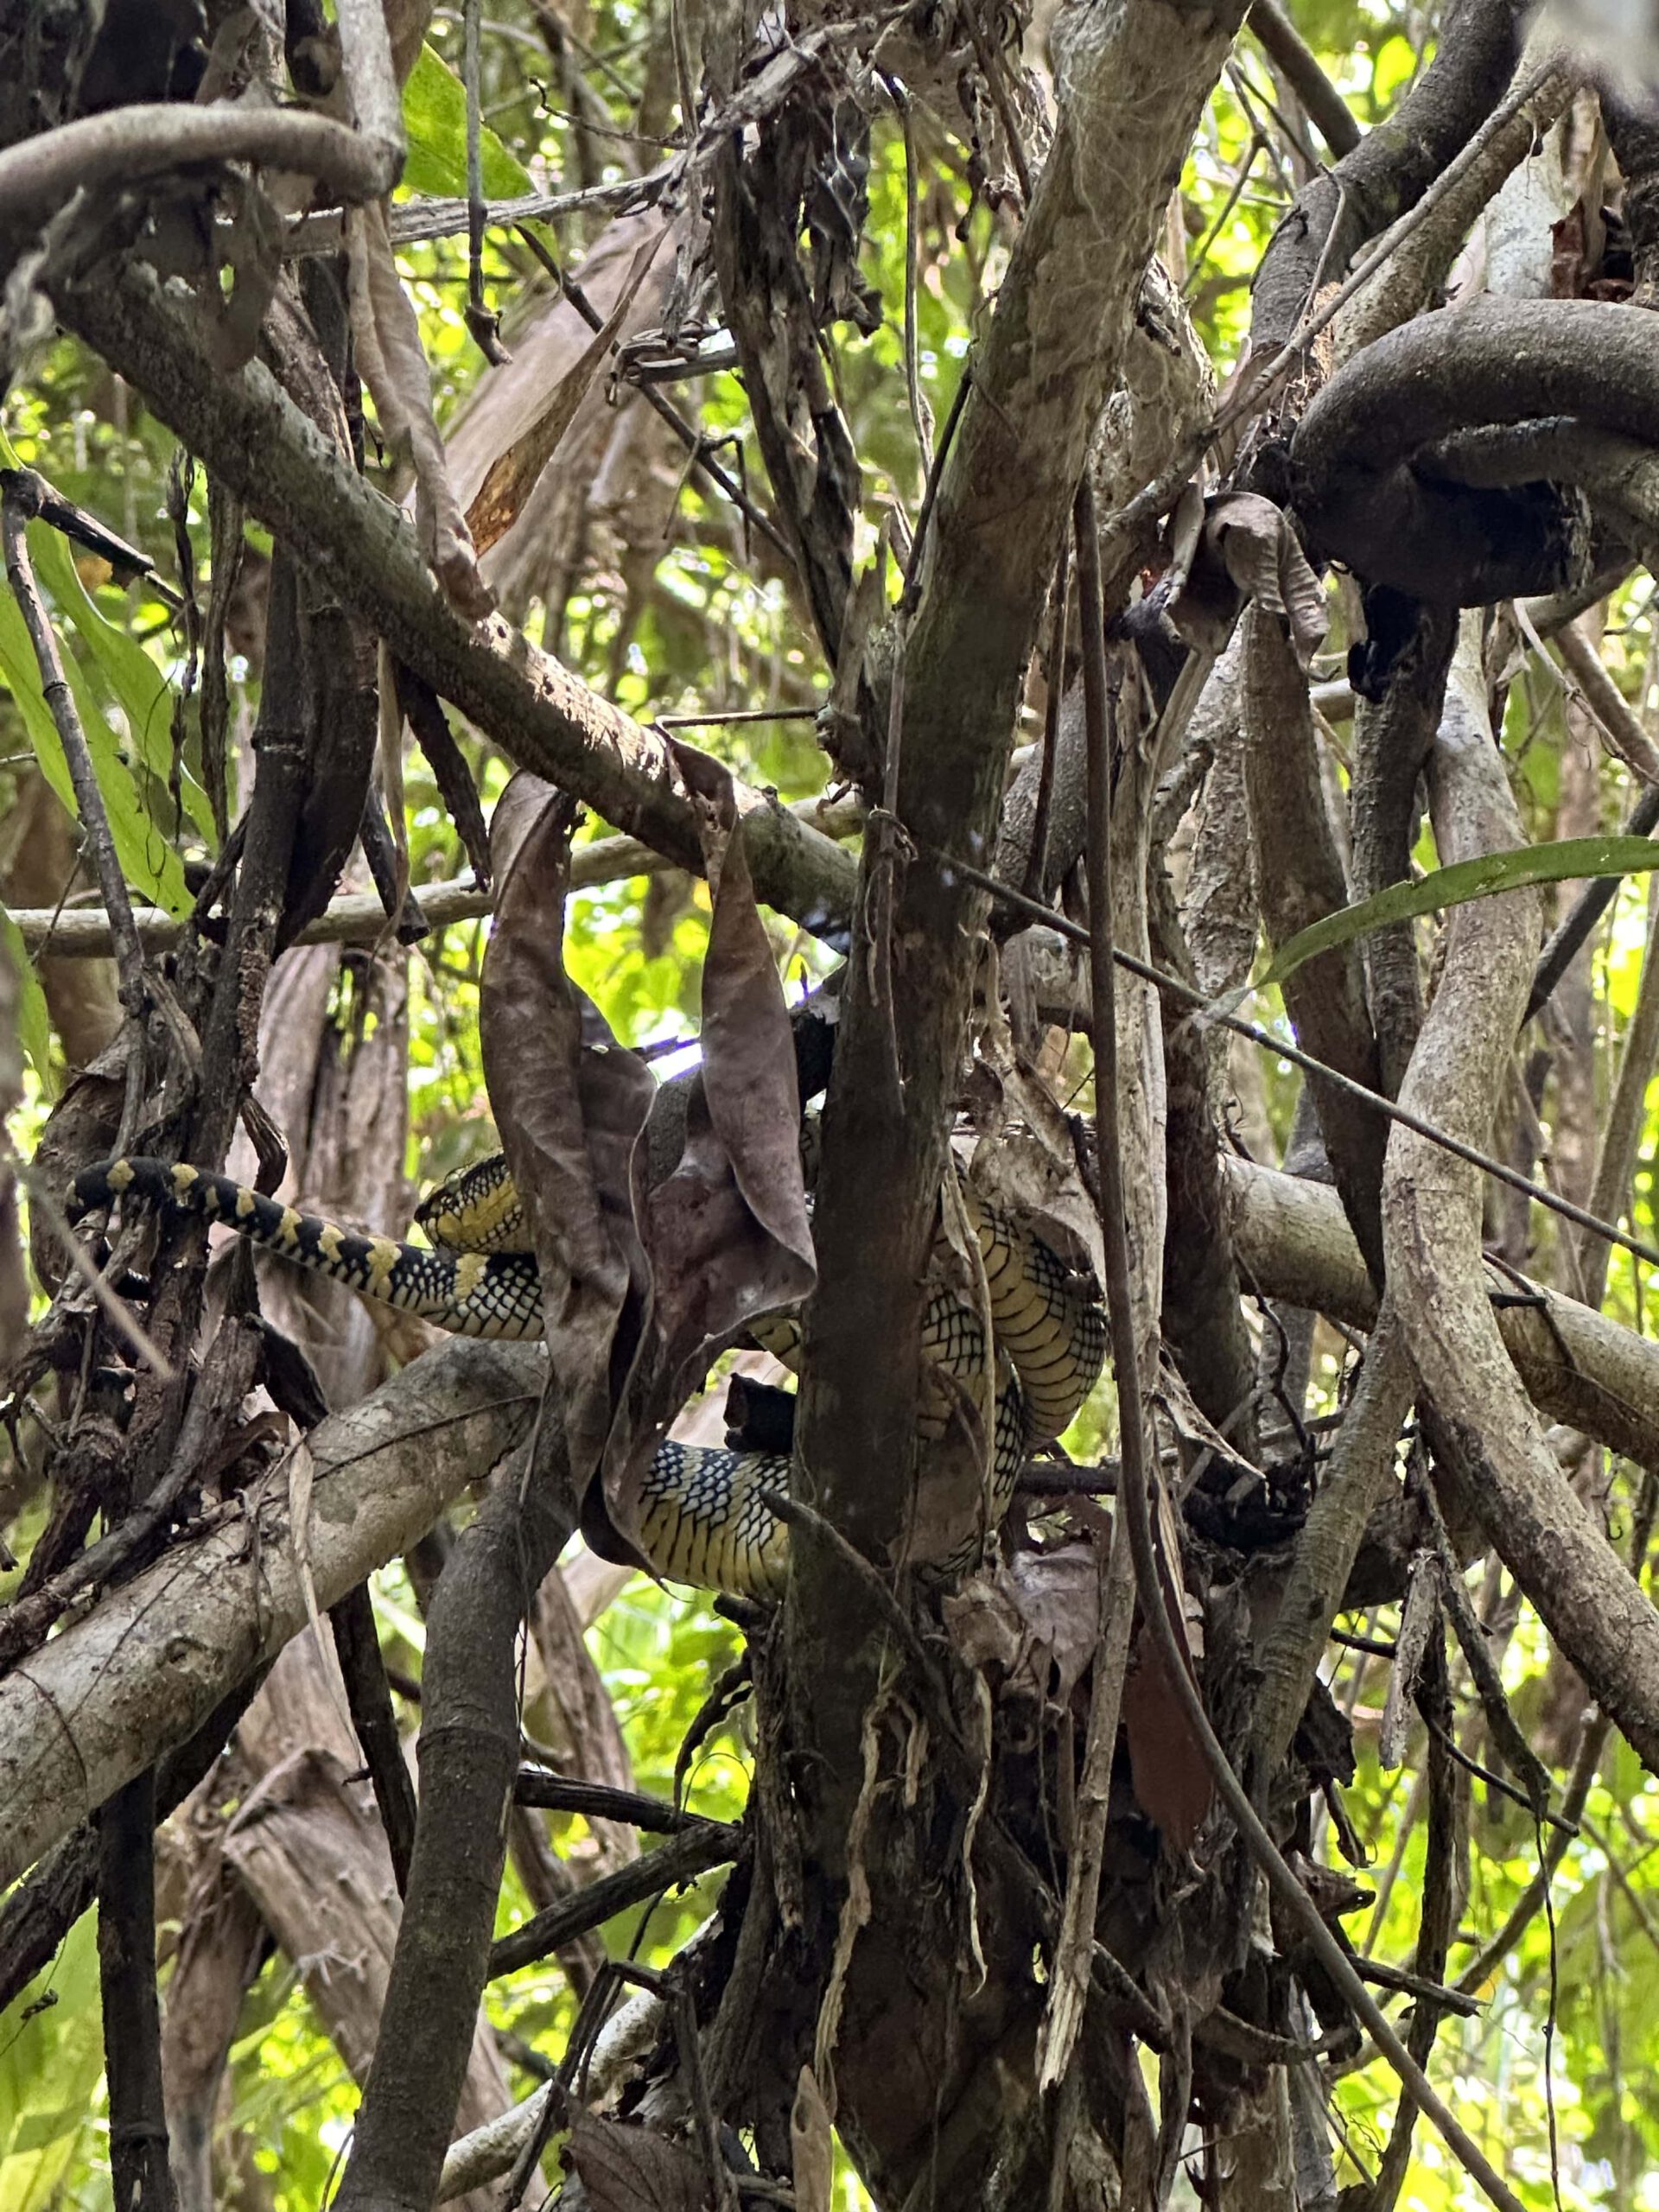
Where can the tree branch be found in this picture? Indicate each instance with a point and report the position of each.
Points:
(250, 435)
(128, 145)
(1534, 1519)
(144, 1668)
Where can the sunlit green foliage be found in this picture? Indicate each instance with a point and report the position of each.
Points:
(717, 631)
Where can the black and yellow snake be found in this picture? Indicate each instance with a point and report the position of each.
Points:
(703, 1517)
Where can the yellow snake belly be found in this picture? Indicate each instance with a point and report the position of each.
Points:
(703, 1519)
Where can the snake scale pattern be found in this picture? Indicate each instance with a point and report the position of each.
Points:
(703, 1518)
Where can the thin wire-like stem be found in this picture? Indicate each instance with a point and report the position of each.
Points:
(1177, 987)
(702, 460)
(921, 415)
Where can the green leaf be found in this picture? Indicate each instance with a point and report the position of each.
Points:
(136, 686)
(435, 123)
(33, 1023)
(50, 2066)
(1562, 862)
(149, 862)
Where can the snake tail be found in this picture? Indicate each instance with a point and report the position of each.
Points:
(469, 1293)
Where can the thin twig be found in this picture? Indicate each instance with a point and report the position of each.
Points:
(1074, 1951)
(719, 717)
(89, 799)
(479, 320)
(81, 934)
(911, 596)
(1493, 1780)
(1224, 214)
(1591, 1744)
(798, 1513)
(1155, 498)
(1587, 910)
(921, 413)
(119, 1315)
(597, 1801)
(1135, 1496)
(1254, 388)
(711, 1843)
(1284, 45)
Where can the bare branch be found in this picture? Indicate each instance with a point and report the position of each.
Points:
(128, 145)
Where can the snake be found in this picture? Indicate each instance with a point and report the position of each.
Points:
(703, 1515)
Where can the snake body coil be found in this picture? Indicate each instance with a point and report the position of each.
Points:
(703, 1518)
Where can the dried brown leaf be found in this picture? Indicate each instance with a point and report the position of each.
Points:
(1247, 550)
(570, 1104)
(627, 2169)
(394, 366)
(1058, 1594)
(1034, 1623)
(512, 474)
(725, 1231)
(1172, 1780)
(1264, 558)
(812, 2149)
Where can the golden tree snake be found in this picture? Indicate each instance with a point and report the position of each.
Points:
(703, 1517)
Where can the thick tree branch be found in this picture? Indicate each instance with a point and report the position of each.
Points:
(360, 917)
(1133, 79)
(129, 145)
(143, 1670)
(253, 438)
(469, 1760)
(1579, 1367)
(1595, 1611)
(1389, 168)
(1498, 361)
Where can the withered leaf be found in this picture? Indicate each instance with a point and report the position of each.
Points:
(1247, 550)
(512, 475)
(569, 1103)
(1035, 1622)
(1172, 1777)
(634, 2169)
(726, 1230)
(811, 2147)
(394, 366)
(1172, 1780)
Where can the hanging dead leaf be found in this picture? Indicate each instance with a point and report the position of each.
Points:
(1196, 1433)
(393, 364)
(1172, 1777)
(1248, 550)
(570, 1104)
(725, 1229)
(812, 2147)
(512, 475)
(1032, 1626)
(1172, 1780)
(627, 2169)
